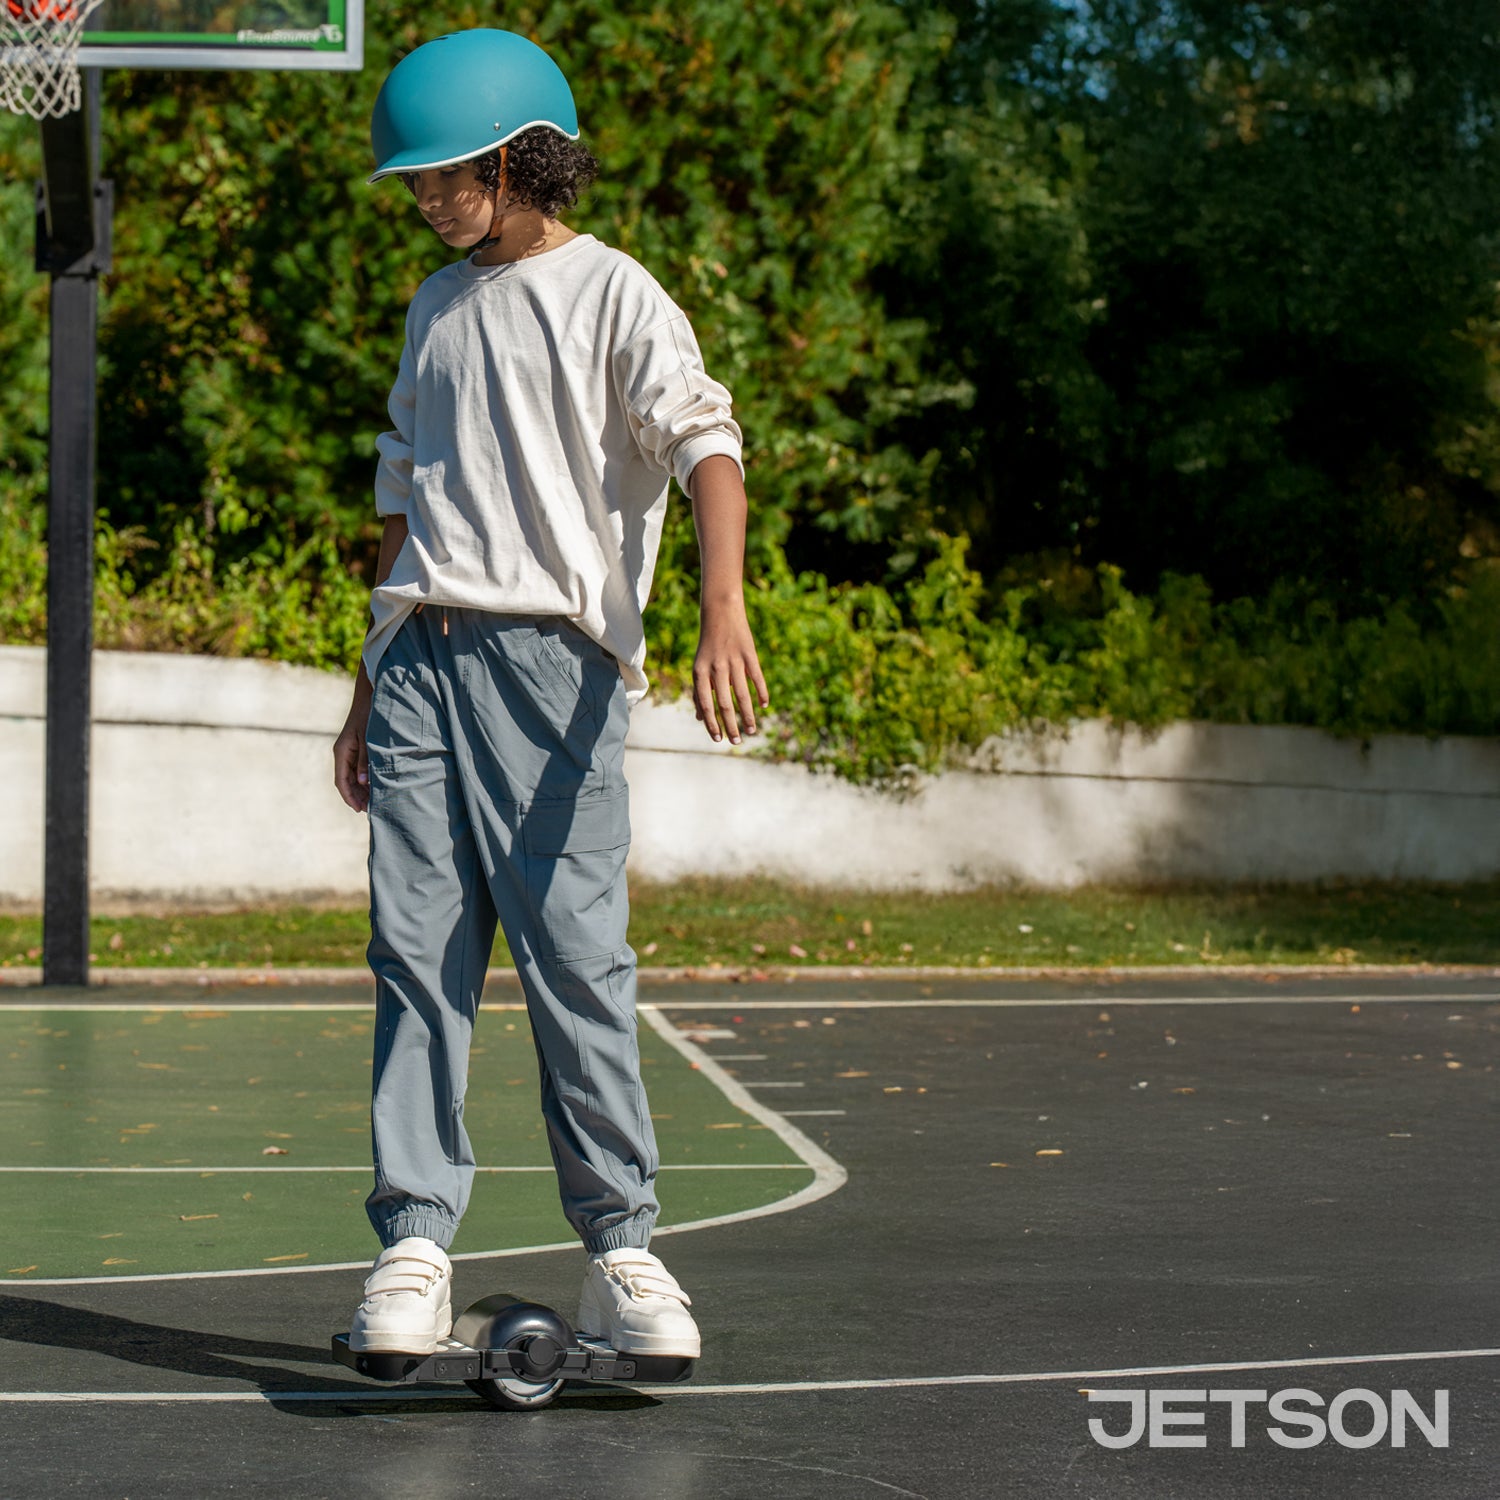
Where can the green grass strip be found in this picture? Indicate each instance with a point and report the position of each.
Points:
(749, 922)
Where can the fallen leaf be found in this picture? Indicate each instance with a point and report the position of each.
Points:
(116, 1260)
(117, 941)
(732, 1125)
(797, 951)
(193, 1218)
(274, 1151)
(852, 1073)
(22, 1270)
(867, 927)
(272, 1259)
(1184, 1091)
(649, 949)
(1050, 1151)
(999, 1163)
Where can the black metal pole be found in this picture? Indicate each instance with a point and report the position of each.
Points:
(70, 632)
(73, 239)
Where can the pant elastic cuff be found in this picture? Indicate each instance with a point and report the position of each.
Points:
(428, 1225)
(629, 1234)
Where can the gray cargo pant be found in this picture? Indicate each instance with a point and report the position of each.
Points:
(496, 749)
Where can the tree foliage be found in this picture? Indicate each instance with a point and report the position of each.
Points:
(253, 324)
(1029, 300)
(1242, 264)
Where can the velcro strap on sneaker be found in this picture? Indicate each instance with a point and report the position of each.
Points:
(647, 1278)
(404, 1273)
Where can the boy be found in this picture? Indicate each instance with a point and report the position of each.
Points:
(548, 391)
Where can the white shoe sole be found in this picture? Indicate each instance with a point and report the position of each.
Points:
(401, 1341)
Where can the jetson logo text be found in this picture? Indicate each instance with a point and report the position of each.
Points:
(1298, 1418)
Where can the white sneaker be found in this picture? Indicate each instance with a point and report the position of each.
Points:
(632, 1302)
(408, 1302)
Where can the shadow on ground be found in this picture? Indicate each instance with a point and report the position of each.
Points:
(216, 1356)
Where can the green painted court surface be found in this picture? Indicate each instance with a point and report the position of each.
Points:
(138, 1142)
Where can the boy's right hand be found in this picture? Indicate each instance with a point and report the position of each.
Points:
(351, 764)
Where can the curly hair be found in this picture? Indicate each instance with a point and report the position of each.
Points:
(543, 170)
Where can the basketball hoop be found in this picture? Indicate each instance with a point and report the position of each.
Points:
(39, 42)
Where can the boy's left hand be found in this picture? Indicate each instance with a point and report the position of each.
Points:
(725, 668)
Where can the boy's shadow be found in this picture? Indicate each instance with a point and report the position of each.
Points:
(213, 1356)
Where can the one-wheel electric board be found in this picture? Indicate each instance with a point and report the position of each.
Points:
(516, 1354)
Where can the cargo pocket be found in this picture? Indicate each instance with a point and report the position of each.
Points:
(575, 874)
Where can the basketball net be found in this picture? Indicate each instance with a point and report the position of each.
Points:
(39, 42)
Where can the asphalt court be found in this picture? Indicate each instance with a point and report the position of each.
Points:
(1022, 1191)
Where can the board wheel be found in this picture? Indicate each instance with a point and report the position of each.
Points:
(510, 1393)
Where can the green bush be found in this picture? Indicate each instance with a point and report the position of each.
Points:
(874, 684)
(298, 605)
(867, 682)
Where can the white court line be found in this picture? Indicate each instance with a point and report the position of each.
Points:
(222, 1008)
(828, 1177)
(683, 1166)
(1104, 997)
(768, 1388)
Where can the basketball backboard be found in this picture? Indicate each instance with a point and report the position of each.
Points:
(323, 34)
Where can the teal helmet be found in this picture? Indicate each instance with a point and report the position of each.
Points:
(459, 96)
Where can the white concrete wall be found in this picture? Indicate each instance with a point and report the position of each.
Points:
(212, 783)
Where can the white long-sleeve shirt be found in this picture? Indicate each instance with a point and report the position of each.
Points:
(541, 408)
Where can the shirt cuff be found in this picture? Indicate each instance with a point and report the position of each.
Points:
(696, 449)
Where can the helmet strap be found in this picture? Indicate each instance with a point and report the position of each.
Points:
(497, 224)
